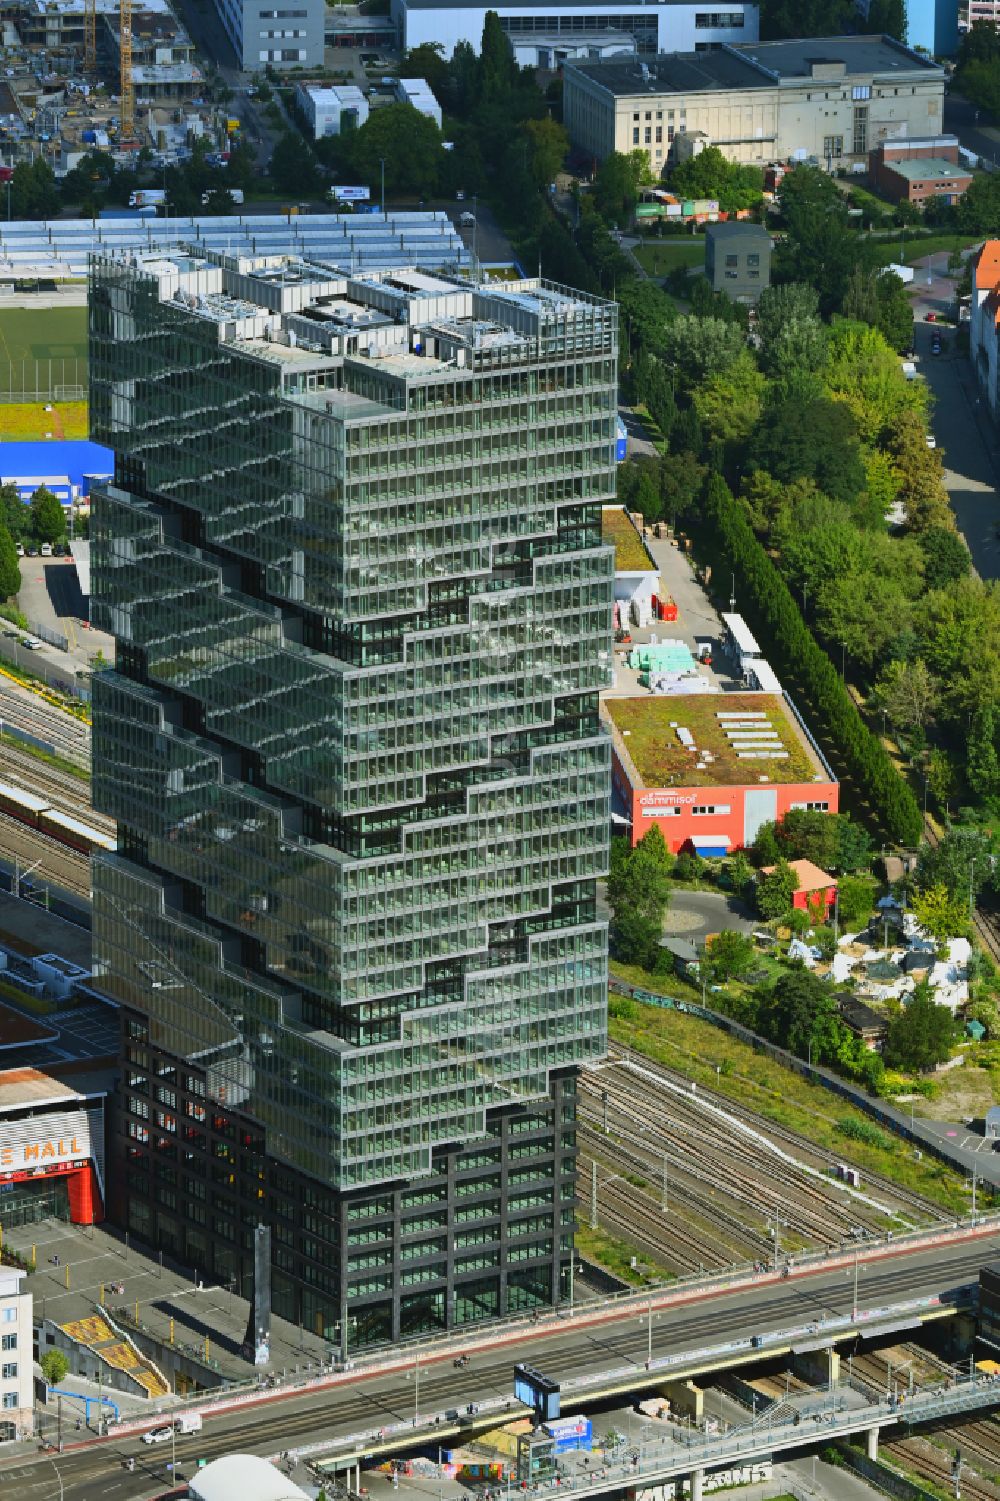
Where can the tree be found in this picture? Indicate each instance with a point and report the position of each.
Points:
(854, 846)
(790, 330)
(807, 834)
(729, 403)
(54, 1366)
(775, 889)
(817, 440)
(549, 144)
(408, 142)
(729, 954)
(800, 1013)
(428, 62)
(48, 521)
(699, 348)
(646, 312)
(855, 901)
(939, 913)
(819, 249)
(639, 894)
(616, 185)
(293, 164)
(909, 694)
(680, 479)
(946, 556)
(922, 1035)
(710, 175)
(34, 193)
(982, 764)
(10, 573)
(887, 18)
(14, 514)
(497, 67)
(962, 862)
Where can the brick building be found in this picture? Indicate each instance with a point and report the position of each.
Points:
(916, 170)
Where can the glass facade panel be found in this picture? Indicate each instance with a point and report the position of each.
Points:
(351, 557)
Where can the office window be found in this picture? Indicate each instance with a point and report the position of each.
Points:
(732, 260)
(753, 259)
(8, 1342)
(8, 1316)
(860, 130)
(659, 135)
(861, 91)
(9, 1400)
(648, 135)
(9, 1371)
(635, 135)
(833, 146)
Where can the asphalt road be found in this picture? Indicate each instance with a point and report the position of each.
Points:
(968, 439)
(368, 1402)
(973, 127)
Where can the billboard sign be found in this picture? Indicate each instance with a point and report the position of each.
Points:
(350, 195)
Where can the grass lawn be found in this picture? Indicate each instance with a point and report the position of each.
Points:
(916, 251)
(660, 257)
(30, 420)
(618, 531)
(29, 334)
(717, 1061)
(662, 760)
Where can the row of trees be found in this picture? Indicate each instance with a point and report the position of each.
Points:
(770, 607)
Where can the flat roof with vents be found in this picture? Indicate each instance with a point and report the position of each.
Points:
(747, 737)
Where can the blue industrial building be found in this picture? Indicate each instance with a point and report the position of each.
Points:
(65, 467)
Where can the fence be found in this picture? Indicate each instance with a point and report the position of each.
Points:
(881, 1476)
(44, 380)
(46, 633)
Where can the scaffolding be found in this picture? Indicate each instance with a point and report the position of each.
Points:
(127, 86)
(90, 37)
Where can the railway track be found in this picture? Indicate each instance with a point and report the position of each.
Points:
(650, 1127)
(917, 1454)
(723, 1189)
(68, 736)
(42, 858)
(64, 792)
(905, 1200)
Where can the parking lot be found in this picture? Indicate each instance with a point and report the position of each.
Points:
(50, 597)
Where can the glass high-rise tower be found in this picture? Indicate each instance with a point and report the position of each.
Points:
(351, 558)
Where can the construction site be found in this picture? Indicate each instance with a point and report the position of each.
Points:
(110, 75)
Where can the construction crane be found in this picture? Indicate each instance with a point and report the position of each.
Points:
(127, 86)
(90, 36)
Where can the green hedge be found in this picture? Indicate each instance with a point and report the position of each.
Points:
(796, 657)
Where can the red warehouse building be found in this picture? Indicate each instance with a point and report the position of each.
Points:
(709, 769)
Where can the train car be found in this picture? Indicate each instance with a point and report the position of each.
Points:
(71, 831)
(21, 804)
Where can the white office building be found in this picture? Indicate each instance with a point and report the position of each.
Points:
(417, 92)
(331, 111)
(546, 34)
(16, 1382)
(289, 35)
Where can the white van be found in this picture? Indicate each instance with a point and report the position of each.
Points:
(46, 549)
(188, 1422)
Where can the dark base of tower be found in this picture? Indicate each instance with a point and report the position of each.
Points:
(489, 1232)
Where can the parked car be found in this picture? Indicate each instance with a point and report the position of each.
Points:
(20, 549)
(46, 549)
(936, 346)
(930, 317)
(31, 642)
(158, 1435)
(931, 441)
(32, 552)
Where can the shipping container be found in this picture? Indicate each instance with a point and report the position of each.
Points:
(570, 1433)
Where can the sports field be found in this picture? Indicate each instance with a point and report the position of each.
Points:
(42, 348)
(29, 421)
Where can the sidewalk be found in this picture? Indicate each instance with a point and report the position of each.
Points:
(209, 1322)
